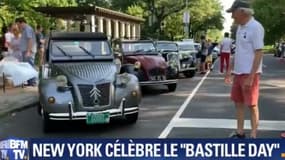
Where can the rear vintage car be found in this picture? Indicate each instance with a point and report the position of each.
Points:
(80, 81)
(139, 57)
(187, 58)
(169, 51)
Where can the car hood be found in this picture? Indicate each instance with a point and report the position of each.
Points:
(148, 61)
(88, 72)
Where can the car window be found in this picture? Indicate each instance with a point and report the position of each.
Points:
(80, 48)
(186, 47)
(137, 47)
(166, 46)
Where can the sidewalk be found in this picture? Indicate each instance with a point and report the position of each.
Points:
(17, 99)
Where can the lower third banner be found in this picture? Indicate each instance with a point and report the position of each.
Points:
(20, 149)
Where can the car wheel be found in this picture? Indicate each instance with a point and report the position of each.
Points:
(48, 124)
(189, 74)
(171, 87)
(132, 118)
(39, 108)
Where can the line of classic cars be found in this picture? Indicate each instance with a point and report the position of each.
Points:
(83, 78)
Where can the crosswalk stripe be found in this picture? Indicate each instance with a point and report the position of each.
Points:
(268, 125)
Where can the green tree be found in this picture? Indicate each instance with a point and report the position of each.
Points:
(205, 16)
(135, 10)
(100, 3)
(10, 9)
(122, 5)
(271, 15)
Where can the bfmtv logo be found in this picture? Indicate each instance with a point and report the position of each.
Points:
(14, 149)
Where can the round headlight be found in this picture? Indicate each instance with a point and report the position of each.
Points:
(137, 65)
(61, 80)
(51, 100)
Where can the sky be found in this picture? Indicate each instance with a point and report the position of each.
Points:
(228, 20)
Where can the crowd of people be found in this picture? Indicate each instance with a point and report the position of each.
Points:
(20, 42)
(224, 49)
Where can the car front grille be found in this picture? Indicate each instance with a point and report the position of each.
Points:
(101, 95)
(156, 72)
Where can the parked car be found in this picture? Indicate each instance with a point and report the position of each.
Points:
(215, 53)
(80, 81)
(139, 57)
(187, 58)
(169, 51)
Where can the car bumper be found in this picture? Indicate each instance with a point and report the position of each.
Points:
(120, 112)
(149, 83)
(187, 69)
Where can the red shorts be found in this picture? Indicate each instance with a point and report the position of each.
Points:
(241, 94)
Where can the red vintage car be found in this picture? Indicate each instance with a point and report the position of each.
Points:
(139, 57)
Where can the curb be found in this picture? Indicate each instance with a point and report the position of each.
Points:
(11, 110)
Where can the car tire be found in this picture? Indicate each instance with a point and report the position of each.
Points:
(171, 87)
(48, 124)
(132, 118)
(189, 74)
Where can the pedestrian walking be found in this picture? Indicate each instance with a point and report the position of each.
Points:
(204, 53)
(40, 44)
(247, 66)
(225, 52)
(28, 44)
(282, 55)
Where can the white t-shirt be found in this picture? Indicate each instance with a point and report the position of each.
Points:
(249, 37)
(226, 45)
(8, 38)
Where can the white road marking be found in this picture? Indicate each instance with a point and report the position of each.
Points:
(171, 124)
(226, 124)
(176, 121)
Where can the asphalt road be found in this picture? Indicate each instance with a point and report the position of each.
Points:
(200, 108)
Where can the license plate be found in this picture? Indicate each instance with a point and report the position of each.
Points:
(97, 118)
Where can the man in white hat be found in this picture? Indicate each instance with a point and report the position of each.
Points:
(247, 66)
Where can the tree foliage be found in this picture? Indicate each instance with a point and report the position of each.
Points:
(271, 15)
(101, 3)
(10, 9)
(135, 10)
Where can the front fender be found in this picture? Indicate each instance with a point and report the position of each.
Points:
(48, 88)
(127, 91)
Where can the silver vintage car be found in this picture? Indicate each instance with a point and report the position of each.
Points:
(80, 80)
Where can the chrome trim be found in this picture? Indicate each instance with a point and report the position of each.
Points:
(70, 107)
(82, 115)
(111, 90)
(145, 83)
(187, 69)
(122, 106)
(121, 111)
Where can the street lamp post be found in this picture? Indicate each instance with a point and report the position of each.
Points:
(186, 20)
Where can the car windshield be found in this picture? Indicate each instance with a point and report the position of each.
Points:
(166, 47)
(61, 48)
(186, 47)
(138, 48)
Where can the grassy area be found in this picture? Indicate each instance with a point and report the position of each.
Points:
(268, 49)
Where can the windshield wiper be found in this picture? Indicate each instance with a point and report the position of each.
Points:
(62, 51)
(86, 51)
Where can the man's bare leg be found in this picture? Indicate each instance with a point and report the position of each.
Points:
(254, 120)
(240, 118)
